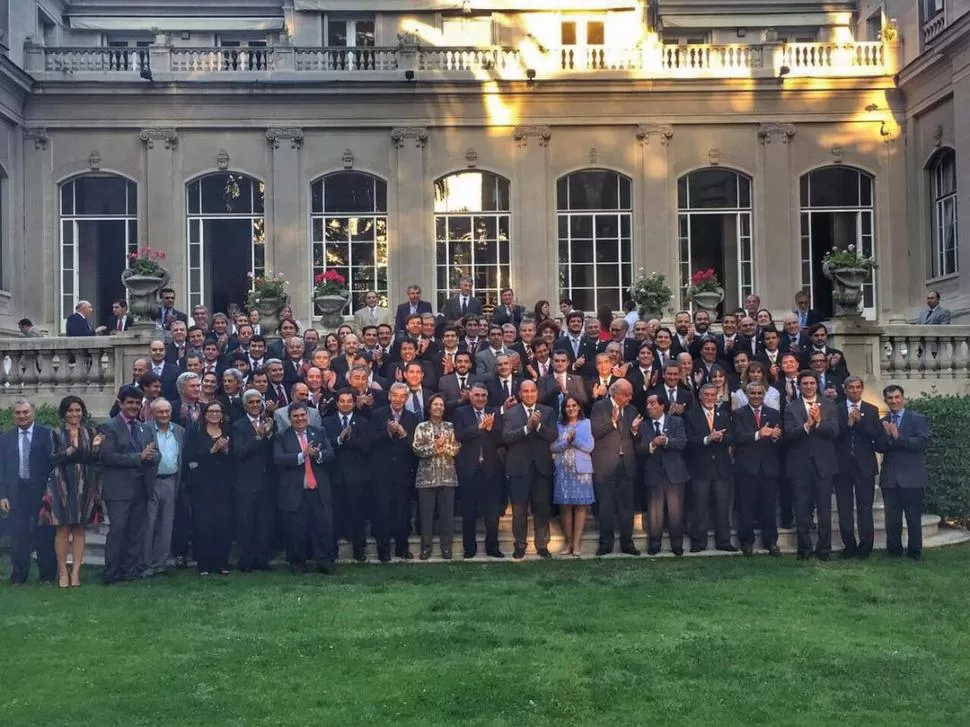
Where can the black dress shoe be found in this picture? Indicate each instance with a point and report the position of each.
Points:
(469, 554)
(862, 554)
(544, 553)
(728, 548)
(747, 550)
(803, 556)
(603, 550)
(846, 554)
(824, 557)
(915, 556)
(327, 569)
(894, 553)
(405, 555)
(678, 551)
(698, 548)
(360, 557)
(446, 554)
(629, 550)
(774, 551)
(384, 557)
(425, 553)
(653, 550)
(494, 553)
(518, 553)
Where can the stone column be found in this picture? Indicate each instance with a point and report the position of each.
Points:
(777, 274)
(39, 255)
(655, 245)
(898, 289)
(533, 255)
(287, 249)
(162, 205)
(412, 247)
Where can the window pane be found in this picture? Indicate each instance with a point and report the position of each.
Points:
(316, 197)
(336, 33)
(595, 33)
(713, 189)
(228, 194)
(100, 195)
(471, 192)
(567, 33)
(595, 190)
(834, 187)
(350, 192)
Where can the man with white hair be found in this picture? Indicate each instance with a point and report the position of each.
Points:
(79, 322)
(250, 446)
(169, 439)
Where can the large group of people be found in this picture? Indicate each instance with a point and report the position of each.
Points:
(291, 439)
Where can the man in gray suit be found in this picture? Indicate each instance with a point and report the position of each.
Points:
(300, 392)
(903, 476)
(458, 306)
(169, 440)
(933, 314)
(372, 314)
(130, 459)
(485, 359)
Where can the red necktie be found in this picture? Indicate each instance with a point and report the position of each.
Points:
(757, 418)
(311, 479)
(121, 326)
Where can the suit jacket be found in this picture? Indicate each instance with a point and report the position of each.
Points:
(394, 459)
(856, 445)
(841, 370)
(404, 310)
(352, 468)
(126, 476)
(111, 323)
(641, 385)
(179, 432)
(755, 457)
(287, 455)
(610, 440)
(173, 314)
(175, 356)
(170, 372)
(234, 409)
(684, 395)
(78, 325)
(937, 316)
(429, 379)
(525, 449)
(496, 392)
(665, 464)
(575, 386)
(293, 372)
(485, 361)
(904, 459)
(253, 456)
(711, 460)
(481, 451)
(281, 418)
(365, 317)
(591, 383)
(814, 450)
(501, 315)
(40, 466)
(450, 388)
(451, 311)
(587, 349)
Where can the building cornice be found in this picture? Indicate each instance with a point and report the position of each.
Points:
(955, 38)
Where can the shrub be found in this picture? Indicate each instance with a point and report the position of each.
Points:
(947, 455)
(46, 414)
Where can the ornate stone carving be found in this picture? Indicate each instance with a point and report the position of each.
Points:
(594, 155)
(401, 134)
(837, 153)
(222, 159)
(714, 156)
(150, 136)
(542, 135)
(94, 161)
(938, 137)
(664, 132)
(348, 159)
(38, 134)
(471, 158)
(784, 131)
(276, 134)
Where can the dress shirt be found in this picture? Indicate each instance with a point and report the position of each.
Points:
(168, 451)
(24, 448)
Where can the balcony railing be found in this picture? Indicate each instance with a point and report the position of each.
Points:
(99, 60)
(221, 60)
(937, 353)
(345, 59)
(826, 59)
(933, 27)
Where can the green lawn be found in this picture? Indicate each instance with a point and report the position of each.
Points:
(700, 641)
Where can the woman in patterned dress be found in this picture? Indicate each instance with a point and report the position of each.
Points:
(573, 475)
(437, 480)
(73, 497)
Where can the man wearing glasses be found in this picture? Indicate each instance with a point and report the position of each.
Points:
(168, 313)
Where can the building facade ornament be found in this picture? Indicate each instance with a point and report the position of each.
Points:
(150, 136)
(938, 136)
(277, 134)
(222, 159)
(594, 155)
(542, 134)
(837, 153)
(401, 134)
(37, 134)
(782, 131)
(471, 158)
(348, 159)
(714, 156)
(94, 161)
(664, 132)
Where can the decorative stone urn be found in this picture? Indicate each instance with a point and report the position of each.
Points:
(143, 303)
(708, 300)
(269, 313)
(846, 288)
(331, 308)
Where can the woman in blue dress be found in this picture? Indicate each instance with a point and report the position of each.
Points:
(573, 474)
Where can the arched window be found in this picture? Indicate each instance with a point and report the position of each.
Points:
(943, 180)
(99, 228)
(714, 230)
(595, 216)
(837, 210)
(471, 222)
(226, 238)
(348, 231)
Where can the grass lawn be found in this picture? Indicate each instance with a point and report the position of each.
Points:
(702, 641)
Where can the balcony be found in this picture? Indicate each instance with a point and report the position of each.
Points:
(933, 27)
(650, 60)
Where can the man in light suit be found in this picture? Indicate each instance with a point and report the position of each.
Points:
(169, 438)
(933, 314)
(811, 426)
(485, 359)
(24, 467)
(662, 440)
(462, 304)
(300, 393)
(615, 425)
(903, 476)
(129, 457)
(413, 306)
(371, 314)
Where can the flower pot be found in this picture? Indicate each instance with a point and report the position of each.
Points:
(708, 300)
(331, 308)
(846, 288)
(143, 303)
(269, 313)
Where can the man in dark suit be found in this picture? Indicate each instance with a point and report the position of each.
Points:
(709, 464)
(79, 322)
(24, 469)
(251, 445)
(293, 363)
(462, 304)
(661, 441)
(580, 349)
(167, 313)
(119, 320)
(392, 434)
(165, 371)
(507, 311)
(643, 376)
(756, 434)
(903, 475)
(502, 385)
(481, 471)
(675, 395)
(811, 427)
(129, 457)
(614, 424)
(828, 383)
(413, 306)
(859, 431)
(528, 430)
(560, 383)
(455, 386)
(818, 334)
(806, 316)
(408, 356)
(300, 454)
(598, 387)
(792, 337)
(418, 393)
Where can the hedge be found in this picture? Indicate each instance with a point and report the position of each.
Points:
(947, 455)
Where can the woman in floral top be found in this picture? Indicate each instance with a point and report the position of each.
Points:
(436, 447)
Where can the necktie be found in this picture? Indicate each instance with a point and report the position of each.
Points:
(133, 430)
(792, 392)
(344, 421)
(508, 388)
(416, 404)
(464, 305)
(710, 419)
(120, 325)
(461, 383)
(164, 316)
(757, 418)
(656, 428)
(309, 477)
(281, 395)
(528, 413)
(24, 455)
(895, 419)
(575, 342)
(672, 396)
(480, 415)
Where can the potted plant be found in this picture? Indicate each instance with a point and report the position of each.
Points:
(651, 294)
(268, 296)
(848, 270)
(143, 278)
(330, 294)
(705, 291)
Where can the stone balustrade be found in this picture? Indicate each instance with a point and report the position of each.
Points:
(933, 27)
(925, 352)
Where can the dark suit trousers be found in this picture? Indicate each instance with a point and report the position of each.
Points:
(28, 535)
(444, 499)
(900, 501)
(786, 501)
(312, 520)
(481, 497)
(702, 490)
(615, 494)
(254, 527)
(182, 525)
(671, 494)
(757, 495)
(534, 489)
(125, 542)
(812, 490)
(853, 486)
(392, 506)
(212, 525)
(356, 500)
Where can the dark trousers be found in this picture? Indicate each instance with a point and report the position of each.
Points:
(442, 498)
(900, 501)
(212, 525)
(786, 501)
(356, 502)
(854, 490)
(392, 508)
(28, 535)
(255, 519)
(703, 490)
(757, 498)
(671, 494)
(615, 495)
(125, 542)
(182, 525)
(481, 497)
(313, 521)
(813, 490)
(533, 489)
